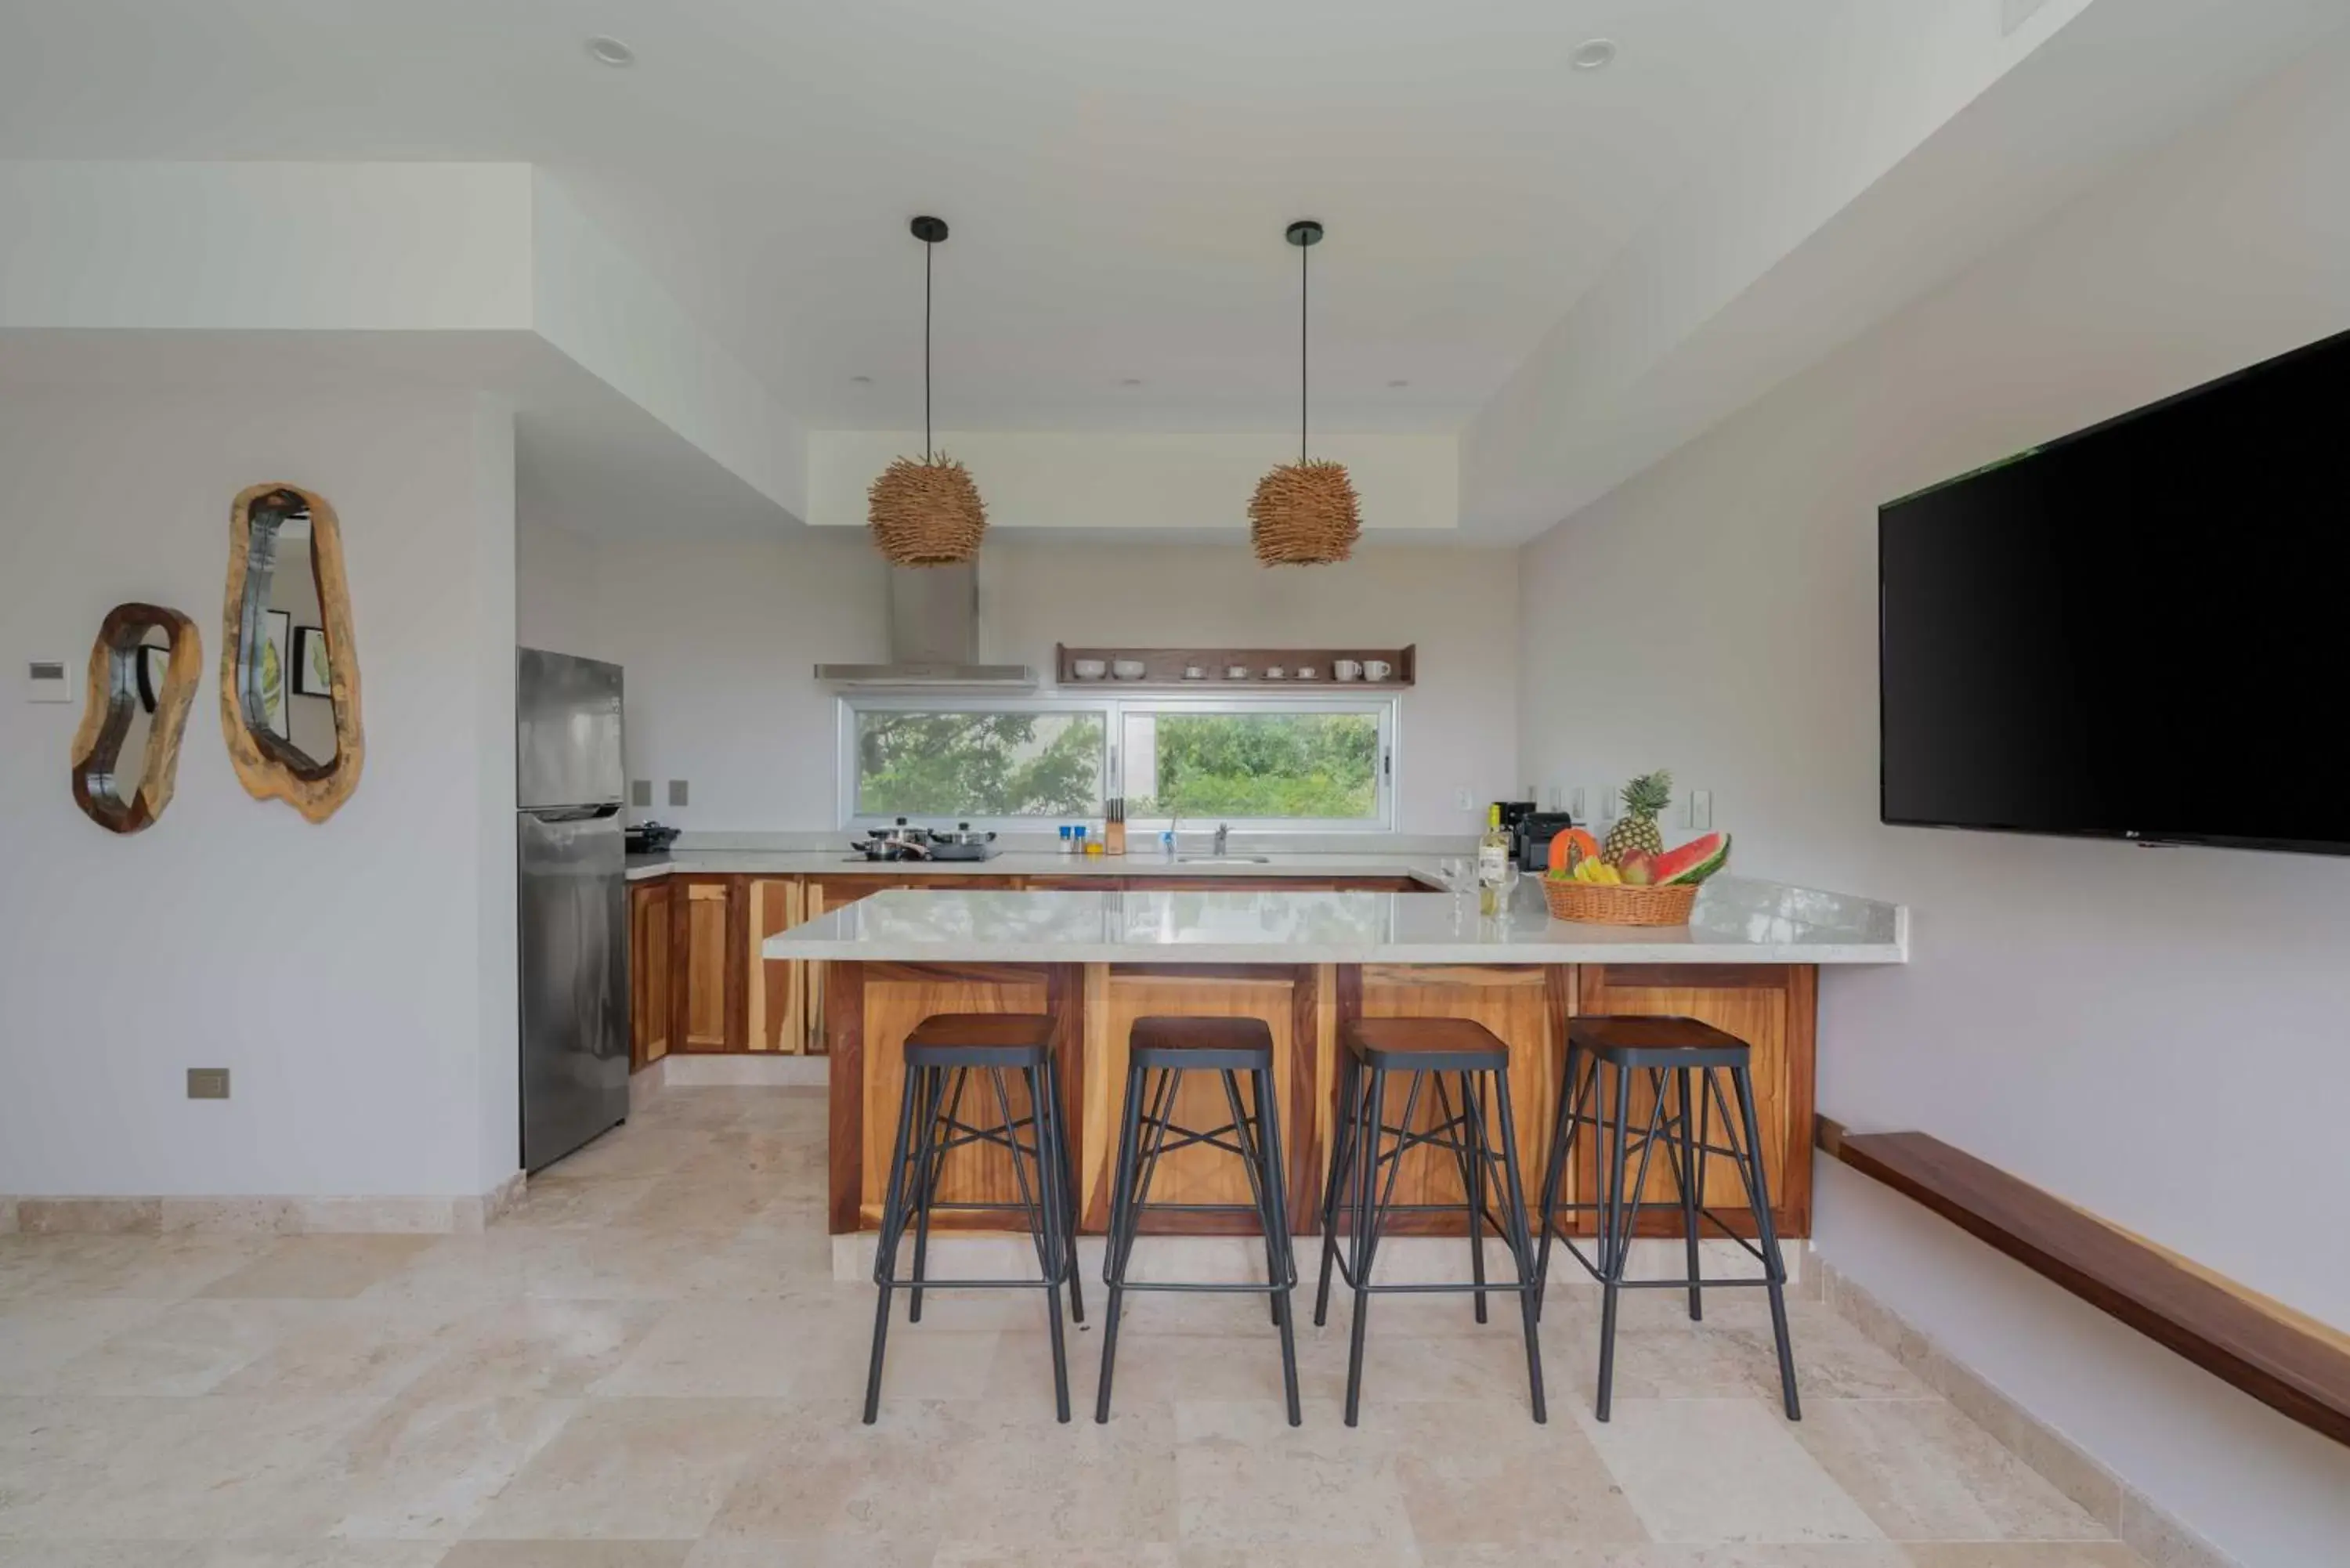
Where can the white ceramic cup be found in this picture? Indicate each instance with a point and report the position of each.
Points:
(1236, 672)
(1377, 669)
(1275, 673)
(1346, 669)
(1194, 672)
(1088, 669)
(1127, 669)
(1307, 672)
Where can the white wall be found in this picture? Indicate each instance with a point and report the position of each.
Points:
(357, 976)
(2157, 1035)
(718, 640)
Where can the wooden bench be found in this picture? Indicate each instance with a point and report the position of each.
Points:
(2287, 1360)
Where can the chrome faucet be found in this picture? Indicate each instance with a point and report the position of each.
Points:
(1223, 833)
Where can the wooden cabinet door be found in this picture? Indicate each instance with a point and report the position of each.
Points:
(649, 972)
(708, 926)
(775, 991)
(1769, 1006)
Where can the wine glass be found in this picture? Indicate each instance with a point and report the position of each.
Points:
(1458, 877)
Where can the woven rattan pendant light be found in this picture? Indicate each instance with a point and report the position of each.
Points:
(926, 514)
(1304, 513)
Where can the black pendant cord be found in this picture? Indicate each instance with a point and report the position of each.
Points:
(1305, 303)
(928, 251)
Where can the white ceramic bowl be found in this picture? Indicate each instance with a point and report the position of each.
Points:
(1127, 669)
(1088, 669)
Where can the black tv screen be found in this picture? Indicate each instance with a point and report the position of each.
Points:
(2139, 631)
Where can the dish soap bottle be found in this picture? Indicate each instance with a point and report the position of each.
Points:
(1492, 863)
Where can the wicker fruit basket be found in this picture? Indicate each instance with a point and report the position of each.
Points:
(1598, 904)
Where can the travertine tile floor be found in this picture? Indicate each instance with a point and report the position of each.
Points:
(648, 1365)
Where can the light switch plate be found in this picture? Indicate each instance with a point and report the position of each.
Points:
(208, 1083)
(677, 792)
(1607, 804)
(1575, 805)
(1701, 809)
(640, 792)
(48, 680)
(1463, 801)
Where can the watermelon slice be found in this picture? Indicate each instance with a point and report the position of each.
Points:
(1692, 862)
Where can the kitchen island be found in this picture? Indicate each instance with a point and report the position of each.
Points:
(1305, 962)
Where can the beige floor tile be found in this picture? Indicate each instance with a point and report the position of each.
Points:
(322, 1554)
(1708, 1471)
(1924, 1472)
(1140, 1554)
(582, 1204)
(1246, 1478)
(425, 1469)
(1024, 1480)
(822, 1475)
(2024, 1554)
(921, 1362)
(725, 1349)
(168, 1468)
(648, 1470)
(853, 1552)
(568, 1554)
(1154, 1365)
(186, 1348)
(100, 1554)
(1481, 1472)
(343, 1347)
(554, 1348)
(154, 1268)
(721, 1200)
(1358, 1555)
(325, 1267)
(1672, 1555)
(39, 1336)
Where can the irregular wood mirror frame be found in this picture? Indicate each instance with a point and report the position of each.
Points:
(269, 764)
(114, 701)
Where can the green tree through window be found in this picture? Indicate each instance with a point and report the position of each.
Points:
(963, 764)
(1296, 766)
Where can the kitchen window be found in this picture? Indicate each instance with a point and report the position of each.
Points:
(1259, 762)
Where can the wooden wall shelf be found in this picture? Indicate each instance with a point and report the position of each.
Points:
(2290, 1362)
(1163, 669)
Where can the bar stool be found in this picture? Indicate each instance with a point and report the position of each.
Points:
(942, 1055)
(1427, 1049)
(1147, 1132)
(1691, 1055)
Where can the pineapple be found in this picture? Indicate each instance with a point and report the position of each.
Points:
(1644, 798)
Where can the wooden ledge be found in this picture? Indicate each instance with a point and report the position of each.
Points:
(2287, 1360)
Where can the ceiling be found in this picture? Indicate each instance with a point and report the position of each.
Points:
(1117, 174)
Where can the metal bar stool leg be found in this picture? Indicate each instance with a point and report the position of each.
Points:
(1614, 1246)
(1066, 1177)
(1521, 1243)
(1253, 1164)
(1368, 1116)
(1564, 1125)
(935, 1134)
(1125, 1219)
(1471, 1180)
(1685, 1174)
(1037, 1206)
(1343, 1126)
(1281, 1254)
(1775, 1267)
(893, 1226)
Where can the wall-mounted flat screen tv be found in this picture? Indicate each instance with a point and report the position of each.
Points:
(2140, 631)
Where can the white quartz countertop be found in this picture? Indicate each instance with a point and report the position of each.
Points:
(1736, 921)
(1029, 863)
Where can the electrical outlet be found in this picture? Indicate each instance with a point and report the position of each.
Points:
(1463, 801)
(1575, 805)
(208, 1083)
(48, 680)
(640, 792)
(1607, 804)
(1701, 809)
(677, 792)
(1557, 798)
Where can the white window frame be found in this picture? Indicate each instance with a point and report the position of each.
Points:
(1113, 708)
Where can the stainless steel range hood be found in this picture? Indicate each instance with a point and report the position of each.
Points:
(933, 638)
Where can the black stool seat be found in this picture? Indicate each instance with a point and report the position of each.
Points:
(1241, 1045)
(1657, 1042)
(1425, 1045)
(980, 1040)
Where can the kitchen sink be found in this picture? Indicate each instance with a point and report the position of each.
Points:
(1223, 860)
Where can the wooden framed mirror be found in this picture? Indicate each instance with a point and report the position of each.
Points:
(142, 681)
(293, 733)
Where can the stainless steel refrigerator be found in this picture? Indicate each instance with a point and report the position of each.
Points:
(574, 905)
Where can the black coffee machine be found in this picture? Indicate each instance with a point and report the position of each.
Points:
(1530, 839)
